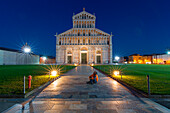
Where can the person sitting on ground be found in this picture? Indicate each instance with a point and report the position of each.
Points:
(93, 78)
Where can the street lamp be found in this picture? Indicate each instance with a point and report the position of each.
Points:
(116, 73)
(117, 58)
(44, 58)
(54, 73)
(168, 52)
(26, 48)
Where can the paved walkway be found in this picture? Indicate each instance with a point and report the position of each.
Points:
(70, 94)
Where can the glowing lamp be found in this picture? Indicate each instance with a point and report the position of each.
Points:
(54, 73)
(44, 58)
(92, 64)
(168, 52)
(27, 50)
(116, 73)
(75, 64)
(117, 58)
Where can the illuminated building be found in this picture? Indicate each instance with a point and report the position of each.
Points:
(15, 57)
(47, 60)
(149, 59)
(83, 43)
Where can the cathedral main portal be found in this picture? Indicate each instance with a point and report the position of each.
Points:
(83, 58)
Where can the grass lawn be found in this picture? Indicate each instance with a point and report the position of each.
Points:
(11, 76)
(135, 75)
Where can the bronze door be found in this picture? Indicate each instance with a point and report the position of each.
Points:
(98, 59)
(69, 59)
(84, 58)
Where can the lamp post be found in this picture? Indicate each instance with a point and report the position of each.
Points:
(44, 59)
(116, 73)
(26, 49)
(117, 58)
(168, 52)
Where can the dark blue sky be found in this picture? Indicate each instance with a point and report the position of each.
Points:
(138, 26)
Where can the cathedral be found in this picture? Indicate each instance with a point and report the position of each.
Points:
(84, 43)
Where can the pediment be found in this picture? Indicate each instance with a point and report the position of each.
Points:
(84, 15)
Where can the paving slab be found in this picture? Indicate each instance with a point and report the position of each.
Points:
(70, 94)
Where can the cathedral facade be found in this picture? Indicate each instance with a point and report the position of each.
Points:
(84, 43)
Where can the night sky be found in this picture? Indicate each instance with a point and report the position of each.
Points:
(138, 26)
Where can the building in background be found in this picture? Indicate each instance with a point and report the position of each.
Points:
(84, 43)
(149, 59)
(161, 58)
(15, 57)
(123, 60)
(135, 58)
(47, 60)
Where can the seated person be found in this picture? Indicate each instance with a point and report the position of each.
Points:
(93, 78)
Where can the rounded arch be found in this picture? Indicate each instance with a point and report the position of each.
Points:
(98, 52)
(69, 52)
(84, 49)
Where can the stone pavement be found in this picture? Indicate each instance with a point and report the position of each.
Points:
(71, 94)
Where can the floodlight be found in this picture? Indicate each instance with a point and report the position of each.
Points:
(168, 52)
(54, 73)
(27, 50)
(44, 58)
(117, 58)
(75, 64)
(116, 73)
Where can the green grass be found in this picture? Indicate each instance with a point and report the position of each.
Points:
(11, 77)
(135, 75)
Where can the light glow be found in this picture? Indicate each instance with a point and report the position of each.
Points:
(168, 52)
(116, 73)
(27, 50)
(75, 64)
(54, 73)
(44, 58)
(92, 64)
(117, 58)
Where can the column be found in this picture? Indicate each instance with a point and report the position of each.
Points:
(106, 40)
(61, 41)
(111, 48)
(86, 24)
(57, 41)
(82, 41)
(81, 24)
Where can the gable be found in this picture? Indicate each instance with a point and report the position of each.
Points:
(101, 33)
(84, 15)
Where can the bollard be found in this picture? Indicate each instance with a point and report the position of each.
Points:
(148, 84)
(29, 81)
(24, 84)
